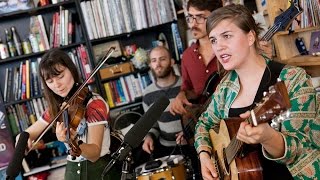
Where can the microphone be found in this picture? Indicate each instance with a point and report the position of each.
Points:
(136, 134)
(14, 166)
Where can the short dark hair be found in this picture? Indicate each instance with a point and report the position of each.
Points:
(240, 15)
(203, 5)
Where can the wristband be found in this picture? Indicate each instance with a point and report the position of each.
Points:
(205, 151)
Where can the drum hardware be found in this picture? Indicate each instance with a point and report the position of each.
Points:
(126, 168)
(153, 164)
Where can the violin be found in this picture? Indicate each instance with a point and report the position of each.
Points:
(74, 109)
(72, 118)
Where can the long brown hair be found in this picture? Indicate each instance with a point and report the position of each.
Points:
(48, 68)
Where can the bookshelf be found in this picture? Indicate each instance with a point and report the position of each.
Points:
(142, 30)
(284, 41)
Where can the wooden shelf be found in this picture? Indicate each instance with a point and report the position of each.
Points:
(299, 30)
(307, 60)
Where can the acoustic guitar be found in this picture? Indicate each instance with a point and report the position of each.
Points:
(230, 161)
(190, 119)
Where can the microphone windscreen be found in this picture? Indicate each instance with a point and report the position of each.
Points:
(14, 166)
(136, 134)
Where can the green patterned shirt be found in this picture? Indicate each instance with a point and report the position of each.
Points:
(301, 131)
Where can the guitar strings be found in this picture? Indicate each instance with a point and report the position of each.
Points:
(234, 146)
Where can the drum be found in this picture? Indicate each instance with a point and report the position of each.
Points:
(168, 167)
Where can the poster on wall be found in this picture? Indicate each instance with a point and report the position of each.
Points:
(6, 142)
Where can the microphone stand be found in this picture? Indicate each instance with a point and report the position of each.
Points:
(119, 155)
(126, 168)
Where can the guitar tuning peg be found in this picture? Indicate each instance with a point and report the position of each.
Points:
(279, 80)
(287, 114)
(274, 125)
(270, 111)
(277, 107)
(264, 94)
(263, 117)
(280, 119)
(272, 90)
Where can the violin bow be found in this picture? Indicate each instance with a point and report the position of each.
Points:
(94, 71)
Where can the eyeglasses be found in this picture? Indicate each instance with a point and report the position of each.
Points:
(199, 19)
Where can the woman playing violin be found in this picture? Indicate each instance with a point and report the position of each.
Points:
(59, 76)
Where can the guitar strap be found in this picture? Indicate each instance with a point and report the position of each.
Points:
(269, 78)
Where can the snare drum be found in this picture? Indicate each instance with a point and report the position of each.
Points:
(168, 167)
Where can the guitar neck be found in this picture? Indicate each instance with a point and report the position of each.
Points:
(268, 35)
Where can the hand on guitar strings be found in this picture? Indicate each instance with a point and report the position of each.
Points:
(208, 169)
(263, 133)
(177, 106)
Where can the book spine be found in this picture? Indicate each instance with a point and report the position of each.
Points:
(109, 94)
(23, 82)
(27, 79)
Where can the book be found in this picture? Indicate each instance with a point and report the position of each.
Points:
(27, 79)
(109, 94)
(315, 42)
(11, 119)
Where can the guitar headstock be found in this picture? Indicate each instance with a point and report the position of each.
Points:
(282, 21)
(274, 103)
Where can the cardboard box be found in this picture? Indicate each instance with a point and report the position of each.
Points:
(116, 70)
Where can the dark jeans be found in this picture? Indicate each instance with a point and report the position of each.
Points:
(86, 170)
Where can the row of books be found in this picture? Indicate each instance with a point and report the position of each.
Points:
(311, 13)
(62, 28)
(80, 58)
(21, 116)
(23, 81)
(108, 18)
(126, 89)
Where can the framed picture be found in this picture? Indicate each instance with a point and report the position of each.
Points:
(315, 42)
(100, 50)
